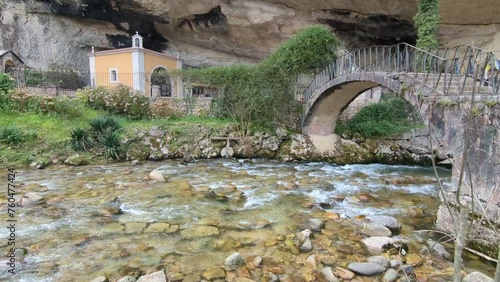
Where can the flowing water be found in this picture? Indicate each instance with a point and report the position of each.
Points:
(203, 213)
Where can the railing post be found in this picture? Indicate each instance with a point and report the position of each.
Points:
(407, 59)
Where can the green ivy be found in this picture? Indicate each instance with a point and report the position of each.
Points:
(263, 94)
(426, 21)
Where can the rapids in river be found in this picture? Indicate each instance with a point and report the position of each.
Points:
(113, 220)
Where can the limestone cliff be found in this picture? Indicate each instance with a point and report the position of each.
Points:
(204, 32)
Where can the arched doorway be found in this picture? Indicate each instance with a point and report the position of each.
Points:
(161, 83)
(9, 67)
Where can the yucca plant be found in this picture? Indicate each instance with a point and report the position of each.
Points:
(112, 146)
(103, 124)
(81, 139)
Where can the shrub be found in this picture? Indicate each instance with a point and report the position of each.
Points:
(13, 135)
(264, 93)
(104, 135)
(81, 139)
(103, 124)
(21, 101)
(7, 83)
(112, 146)
(391, 116)
(119, 100)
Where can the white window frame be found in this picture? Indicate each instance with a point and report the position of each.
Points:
(111, 75)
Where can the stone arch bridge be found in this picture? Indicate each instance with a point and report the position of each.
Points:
(446, 87)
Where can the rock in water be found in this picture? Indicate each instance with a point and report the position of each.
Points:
(234, 260)
(387, 221)
(390, 275)
(377, 245)
(375, 230)
(328, 274)
(199, 231)
(100, 279)
(383, 261)
(157, 175)
(366, 268)
(30, 198)
(477, 277)
(438, 249)
(153, 277)
(127, 279)
(306, 246)
(213, 273)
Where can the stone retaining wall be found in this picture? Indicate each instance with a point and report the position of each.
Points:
(169, 107)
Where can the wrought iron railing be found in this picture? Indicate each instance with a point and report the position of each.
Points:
(449, 71)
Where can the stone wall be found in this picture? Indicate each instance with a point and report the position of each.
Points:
(369, 97)
(175, 107)
(50, 91)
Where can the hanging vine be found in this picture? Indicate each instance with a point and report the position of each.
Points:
(426, 21)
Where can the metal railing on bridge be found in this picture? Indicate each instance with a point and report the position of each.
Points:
(449, 71)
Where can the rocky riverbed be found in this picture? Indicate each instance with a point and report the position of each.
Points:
(233, 220)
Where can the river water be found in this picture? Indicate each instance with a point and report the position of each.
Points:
(204, 212)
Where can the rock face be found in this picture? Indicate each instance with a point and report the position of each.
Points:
(222, 32)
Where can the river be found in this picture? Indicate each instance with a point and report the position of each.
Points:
(113, 220)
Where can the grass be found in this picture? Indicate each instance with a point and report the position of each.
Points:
(53, 133)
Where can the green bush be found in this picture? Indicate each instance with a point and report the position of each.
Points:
(119, 100)
(112, 145)
(21, 101)
(264, 93)
(391, 116)
(81, 139)
(7, 83)
(103, 124)
(103, 135)
(13, 135)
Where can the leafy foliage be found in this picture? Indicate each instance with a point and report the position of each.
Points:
(390, 117)
(103, 134)
(13, 135)
(120, 100)
(81, 139)
(264, 93)
(426, 21)
(112, 145)
(103, 124)
(19, 100)
(7, 83)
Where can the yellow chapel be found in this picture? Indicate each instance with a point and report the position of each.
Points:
(141, 69)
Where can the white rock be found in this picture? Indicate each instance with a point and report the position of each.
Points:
(157, 175)
(477, 277)
(390, 275)
(327, 272)
(234, 260)
(154, 277)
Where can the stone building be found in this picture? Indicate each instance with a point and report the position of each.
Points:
(9, 61)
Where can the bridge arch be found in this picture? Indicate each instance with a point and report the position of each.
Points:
(327, 102)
